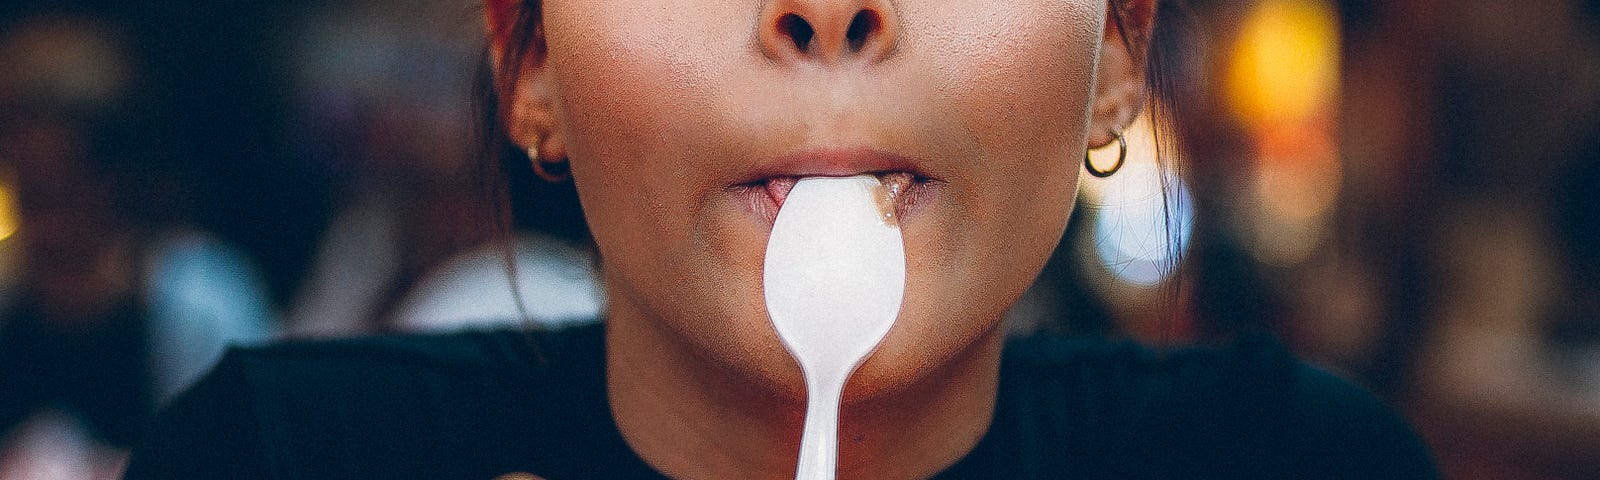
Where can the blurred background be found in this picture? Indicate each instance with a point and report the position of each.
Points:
(1408, 193)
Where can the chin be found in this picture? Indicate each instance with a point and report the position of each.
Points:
(927, 343)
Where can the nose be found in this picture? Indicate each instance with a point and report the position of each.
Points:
(828, 31)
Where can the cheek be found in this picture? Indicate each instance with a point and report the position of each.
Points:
(642, 72)
(1020, 82)
(1024, 78)
(640, 101)
(632, 94)
(624, 82)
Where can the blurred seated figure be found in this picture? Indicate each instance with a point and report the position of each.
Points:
(1508, 381)
(113, 310)
(409, 248)
(1482, 223)
(405, 201)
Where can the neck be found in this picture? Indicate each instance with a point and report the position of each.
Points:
(691, 418)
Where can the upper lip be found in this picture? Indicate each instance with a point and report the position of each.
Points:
(834, 162)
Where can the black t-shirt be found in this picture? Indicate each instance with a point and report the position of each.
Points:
(480, 405)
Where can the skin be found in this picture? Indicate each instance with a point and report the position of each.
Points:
(666, 107)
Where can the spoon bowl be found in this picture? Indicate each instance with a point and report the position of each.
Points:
(834, 279)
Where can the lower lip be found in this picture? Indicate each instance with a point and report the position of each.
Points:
(764, 202)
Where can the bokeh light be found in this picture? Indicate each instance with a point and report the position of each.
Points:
(1142, 214)
(9, 221)
(1281, 83)
(78, 62)
(1285, 63)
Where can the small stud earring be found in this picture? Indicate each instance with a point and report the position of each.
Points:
(553, 172)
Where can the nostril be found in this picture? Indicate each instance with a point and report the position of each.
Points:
(798, 30)
(827, 32)
(861, 28)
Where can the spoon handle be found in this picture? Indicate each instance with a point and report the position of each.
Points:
(819, 444)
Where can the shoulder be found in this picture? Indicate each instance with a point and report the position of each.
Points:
(1246, 409)
(1344, 427)
(435, 404)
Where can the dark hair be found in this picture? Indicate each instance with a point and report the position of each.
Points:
(522, 201)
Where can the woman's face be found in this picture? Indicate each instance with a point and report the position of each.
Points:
(678, 115)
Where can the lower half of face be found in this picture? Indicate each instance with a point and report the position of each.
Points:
(681, 126)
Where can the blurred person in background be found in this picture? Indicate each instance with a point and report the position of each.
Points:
(1429, 227)
(1481, 122)
(382, 98)
(116, 305)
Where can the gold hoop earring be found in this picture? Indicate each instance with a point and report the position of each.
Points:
(1122, 156)
(560, 173)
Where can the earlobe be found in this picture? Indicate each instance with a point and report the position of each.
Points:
(1120, 89)
(528, 113)
(521, 84)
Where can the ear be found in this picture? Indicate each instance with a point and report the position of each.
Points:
(1120, 90)
(521, 78)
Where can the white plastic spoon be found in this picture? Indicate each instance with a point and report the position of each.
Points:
(835, 274)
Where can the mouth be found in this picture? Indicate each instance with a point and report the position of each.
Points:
(905, 187)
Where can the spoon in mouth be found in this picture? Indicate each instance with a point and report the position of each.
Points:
(834, 279)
